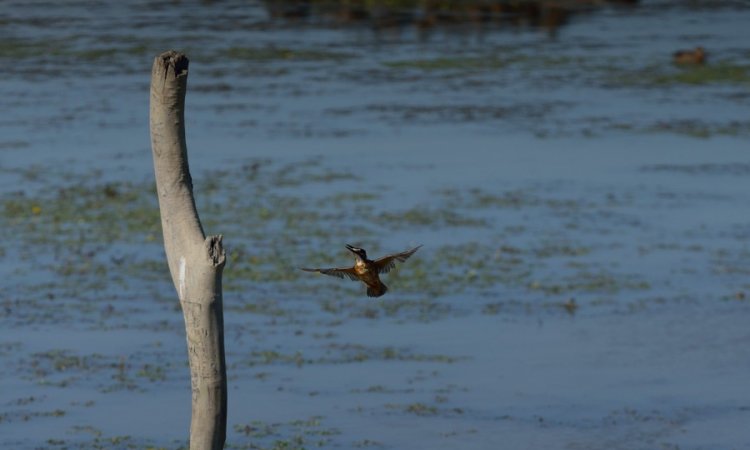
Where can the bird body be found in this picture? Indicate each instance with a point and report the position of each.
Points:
(366, 270)
(696, 56)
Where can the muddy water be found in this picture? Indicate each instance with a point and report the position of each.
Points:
(581, 201)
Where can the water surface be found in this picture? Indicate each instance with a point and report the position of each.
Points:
(583, 280)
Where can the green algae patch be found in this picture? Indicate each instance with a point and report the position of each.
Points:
(62, 368)
(665, 75)
(454, 63)
(283, 54)
(96, 54)
(590, 282)
(719, 73)
(489, 62)
(106, 211)
(335, 354)
(700, 128)
(19, 49)
(419, 216)
(97, 440)
(100, 239)
(423, 409)
(26, 48)
(294, 434)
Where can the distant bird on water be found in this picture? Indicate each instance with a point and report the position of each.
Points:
(367, 270)
(696, 56)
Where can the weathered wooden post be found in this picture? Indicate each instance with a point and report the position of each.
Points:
(195, 261)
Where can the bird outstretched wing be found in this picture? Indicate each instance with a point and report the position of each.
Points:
(336, 272)
(386, 263)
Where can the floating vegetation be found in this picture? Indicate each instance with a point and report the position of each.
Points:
(663, 75)
(700, 128)
(99, 441)
(531, 246)
(503, 59)
(584, 282)
(450, 113)
(455, 63)
(265, 54)
(421, 409)
(295, 434)
(431, 218)
(424, 410)
(86, 225)
(20, 49)
(344, 354)
(734, 169)
(718, 73)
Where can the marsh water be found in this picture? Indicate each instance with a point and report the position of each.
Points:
(581, 200)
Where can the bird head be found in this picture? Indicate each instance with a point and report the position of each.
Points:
(360, 252)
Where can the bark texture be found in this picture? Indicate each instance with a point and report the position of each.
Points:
(195, 261)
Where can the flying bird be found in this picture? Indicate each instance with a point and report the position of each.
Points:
(367, 270)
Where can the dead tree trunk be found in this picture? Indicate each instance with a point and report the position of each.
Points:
(195, 261)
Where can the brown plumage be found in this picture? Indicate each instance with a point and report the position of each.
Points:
(696, 56)
(367, 270)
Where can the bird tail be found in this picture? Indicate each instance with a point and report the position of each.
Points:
(377, 291)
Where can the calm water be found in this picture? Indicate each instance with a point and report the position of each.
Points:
(581, 201)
